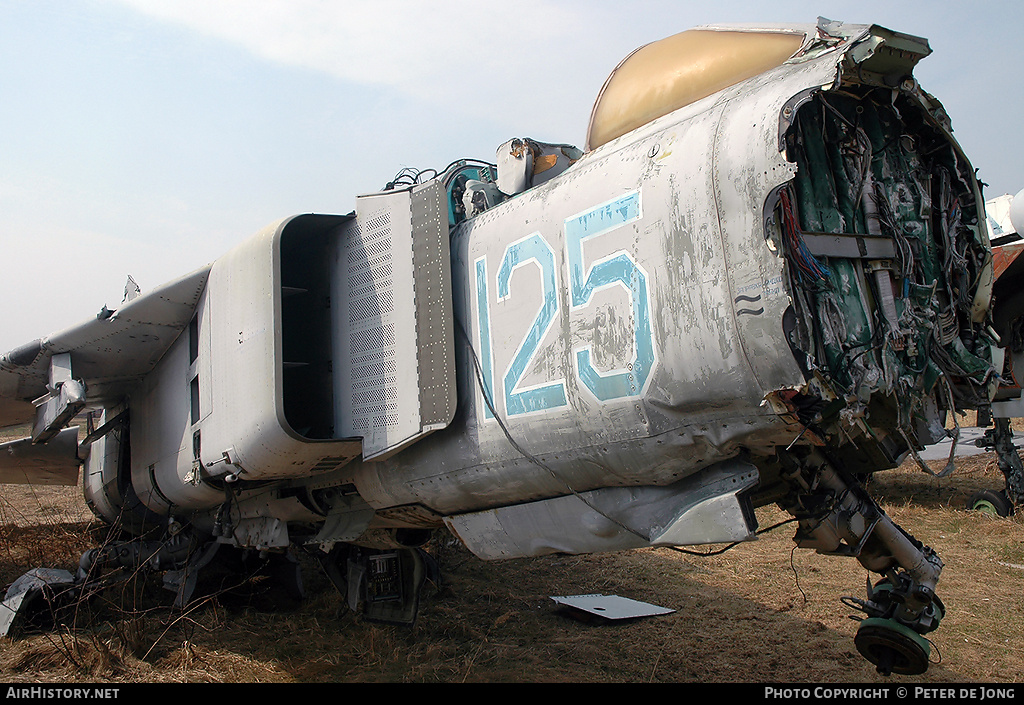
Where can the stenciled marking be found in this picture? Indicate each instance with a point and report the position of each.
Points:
(546, 396)
(618, 269)
(484, 334)
(748, 311)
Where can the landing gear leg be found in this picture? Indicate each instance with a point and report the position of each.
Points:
(996, 502)
(838, 517)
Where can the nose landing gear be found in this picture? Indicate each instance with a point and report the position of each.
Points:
(837, 517)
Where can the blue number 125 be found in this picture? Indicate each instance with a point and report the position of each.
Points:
(619, 269)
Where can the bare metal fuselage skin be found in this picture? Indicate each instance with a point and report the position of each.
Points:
(625, 339)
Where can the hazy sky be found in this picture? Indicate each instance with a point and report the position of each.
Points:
(147, 137)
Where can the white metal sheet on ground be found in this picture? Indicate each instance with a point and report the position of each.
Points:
(611, 606)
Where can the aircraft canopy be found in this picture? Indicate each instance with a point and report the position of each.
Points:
(669, 74)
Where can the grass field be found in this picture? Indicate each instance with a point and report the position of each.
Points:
(761, 612)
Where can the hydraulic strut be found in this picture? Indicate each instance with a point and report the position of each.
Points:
(838, 517)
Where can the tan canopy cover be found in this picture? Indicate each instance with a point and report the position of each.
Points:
(669, 74)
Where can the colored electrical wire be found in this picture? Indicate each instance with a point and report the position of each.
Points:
(807, 265)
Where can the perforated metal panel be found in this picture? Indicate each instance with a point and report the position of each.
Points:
(373, 396)
(394, 341)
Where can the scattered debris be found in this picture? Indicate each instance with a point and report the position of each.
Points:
(611, 606)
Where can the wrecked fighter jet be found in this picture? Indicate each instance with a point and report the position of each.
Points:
(763, 278)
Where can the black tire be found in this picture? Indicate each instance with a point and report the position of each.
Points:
(993, 502)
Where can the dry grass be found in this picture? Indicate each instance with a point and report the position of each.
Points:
(760, 612)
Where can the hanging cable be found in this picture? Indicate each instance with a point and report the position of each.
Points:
(732, 545)
(522, 451)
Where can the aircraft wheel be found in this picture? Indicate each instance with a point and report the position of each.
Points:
(991, 502)
(892, 647)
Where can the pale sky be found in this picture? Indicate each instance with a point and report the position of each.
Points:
(148, 137)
